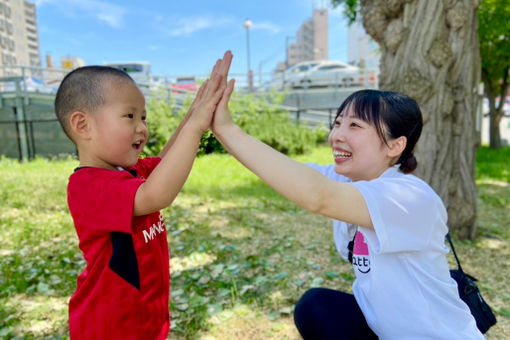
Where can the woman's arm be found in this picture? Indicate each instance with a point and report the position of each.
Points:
(297, 182)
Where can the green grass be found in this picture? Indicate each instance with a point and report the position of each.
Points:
(493, 164)
(241, 255)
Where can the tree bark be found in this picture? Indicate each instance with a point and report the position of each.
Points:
(495, 136)
(495, 111)
(430, 51)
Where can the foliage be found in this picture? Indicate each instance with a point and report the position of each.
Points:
(163, 118)
(258, 115)
(263, 119)
(241, 255)
(351, 8)
(494, 33)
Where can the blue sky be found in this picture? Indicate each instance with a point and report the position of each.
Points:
(179, 37)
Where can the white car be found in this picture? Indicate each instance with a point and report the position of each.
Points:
(293, 76)
(29, 84)
(329, 73)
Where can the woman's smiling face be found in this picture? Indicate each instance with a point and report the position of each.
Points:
(358, 151)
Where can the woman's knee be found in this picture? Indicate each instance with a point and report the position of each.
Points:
(309, 304)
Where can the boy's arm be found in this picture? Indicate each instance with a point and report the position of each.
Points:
(167, 179)
(297, 182)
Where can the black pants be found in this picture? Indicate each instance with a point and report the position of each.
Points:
(329, 314)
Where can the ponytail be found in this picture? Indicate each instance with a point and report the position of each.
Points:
(408, 163)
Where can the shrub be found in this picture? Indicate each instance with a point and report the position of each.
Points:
(260, 116)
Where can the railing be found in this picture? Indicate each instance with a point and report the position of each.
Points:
(28, 126)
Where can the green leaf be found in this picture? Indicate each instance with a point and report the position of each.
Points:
(285, 310)
(504, 311)
(330, 275)
(317, 282)
(182, 307)
(299, 283)
(281, 276)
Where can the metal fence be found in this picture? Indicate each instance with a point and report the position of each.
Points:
(29, 127)
(29, 130)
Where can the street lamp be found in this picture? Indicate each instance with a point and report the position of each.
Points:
(287, 39)
(247, 25)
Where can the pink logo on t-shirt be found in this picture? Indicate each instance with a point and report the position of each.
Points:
(360, 246)
(360, 257)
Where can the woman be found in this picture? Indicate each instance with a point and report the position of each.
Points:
(403, 289)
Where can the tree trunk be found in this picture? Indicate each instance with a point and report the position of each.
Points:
(494, 134)
(492, 89)
(430, 51)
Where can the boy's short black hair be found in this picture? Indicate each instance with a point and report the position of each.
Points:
(83, 90)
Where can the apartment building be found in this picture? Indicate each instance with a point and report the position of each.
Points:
(19, 39)
(312, 40)
(362, 50)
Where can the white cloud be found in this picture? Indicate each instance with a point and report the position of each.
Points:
(186, 26)
(265, 26)
(110, 14)
(189, 26)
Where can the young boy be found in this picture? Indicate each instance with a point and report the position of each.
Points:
(114, 198)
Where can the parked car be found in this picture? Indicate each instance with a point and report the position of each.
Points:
(293, 76)
(29, 84)
(184, 84)
(327, 73)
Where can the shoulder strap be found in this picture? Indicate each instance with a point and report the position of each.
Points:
(454, 253)
(350, 246)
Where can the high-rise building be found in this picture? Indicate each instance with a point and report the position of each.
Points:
(312, 40)
(19, 39)
(362, 50)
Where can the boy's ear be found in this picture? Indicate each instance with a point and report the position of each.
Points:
(80, 125)
(397, 146)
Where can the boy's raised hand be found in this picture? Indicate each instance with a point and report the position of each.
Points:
(210, 93)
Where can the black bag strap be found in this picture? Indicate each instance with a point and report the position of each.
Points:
(454, 253)
(350, 247)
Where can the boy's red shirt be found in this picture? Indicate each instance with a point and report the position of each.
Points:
(124, 290)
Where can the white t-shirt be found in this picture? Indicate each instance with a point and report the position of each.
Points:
(403, 284)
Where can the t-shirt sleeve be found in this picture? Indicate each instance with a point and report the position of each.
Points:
(146, 165)
(406, 214)
(103, 200)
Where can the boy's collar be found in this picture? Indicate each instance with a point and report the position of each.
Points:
(131, 171)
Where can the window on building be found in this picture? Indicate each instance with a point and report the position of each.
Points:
(2, 24)
(7, 11)
(11, 45)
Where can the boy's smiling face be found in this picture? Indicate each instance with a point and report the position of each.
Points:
(118, 128)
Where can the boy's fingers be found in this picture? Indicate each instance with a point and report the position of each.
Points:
(211, 83)
(201, 90)
(225, 65)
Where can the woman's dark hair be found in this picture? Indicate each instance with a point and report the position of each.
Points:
(393, 115)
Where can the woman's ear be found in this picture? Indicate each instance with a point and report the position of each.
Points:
(397, 146)
(80, 125)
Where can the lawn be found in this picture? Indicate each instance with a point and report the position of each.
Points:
(241, 255)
